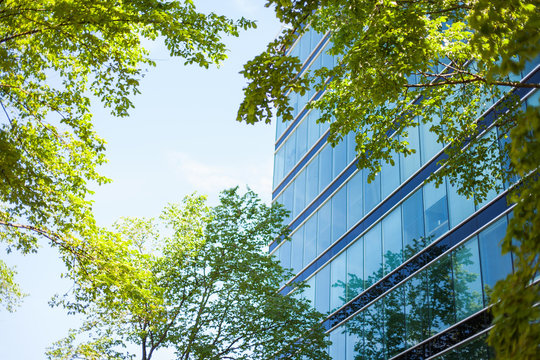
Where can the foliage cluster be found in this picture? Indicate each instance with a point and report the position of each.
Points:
(55, 56)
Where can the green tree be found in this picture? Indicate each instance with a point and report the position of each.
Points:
(199, 280)
(55, 56)
(437, 65)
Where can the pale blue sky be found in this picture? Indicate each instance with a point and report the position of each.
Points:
(181, 137)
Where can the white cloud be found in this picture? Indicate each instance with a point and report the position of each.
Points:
(210, 178)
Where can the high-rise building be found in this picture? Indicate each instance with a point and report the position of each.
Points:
(401, 267)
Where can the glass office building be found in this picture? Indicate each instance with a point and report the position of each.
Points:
(402, 268)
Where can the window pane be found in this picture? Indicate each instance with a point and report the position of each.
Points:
(413, 225)
(339, 213)
(324, 239)
(310, 240)
(312, 181)
(325, 167)
(354, 199)
(495, 265)
(355, 269)
(459, 206)
(394, 307)
(442, 313)
(305, 46)
(322, 290)
(392, 245)
(297, 251)
(351, 144)
(373, 258)
(340, 158)
(467, 279)
(309, 292)
(285, 254)
(328, 60)
(491, 134)
(299, 193)
(410, 163)
(313, 128)
(430, 146)
(390, 176)
(372, 191)
(355, 343)
(436, 210)
(417, 308)
(278, 166)
(338, 281)
(288, 201)
(315, 38)
(374, 331)
(301, 140)
(476, 349)
(289, 154)
(337, 349)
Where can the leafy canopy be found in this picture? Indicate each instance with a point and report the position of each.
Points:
(198, 280)
(55, 55)
(437, 64)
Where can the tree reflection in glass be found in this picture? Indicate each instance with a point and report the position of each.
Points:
(428, 303)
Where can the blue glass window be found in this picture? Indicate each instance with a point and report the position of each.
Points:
(288, 200)
(285, 254)
(394, 318)
(337, 349)
(325, 167)
(339, 213)
(430, 145)
(392, 242)
(495, 265)
(340, 158)
(305, 45)
(313, 127)
(338, 285)
(354, 338)
(354, 199)
(322, 290)
(459, 206)
(374, 331)
(441, 295)
(492, 134)
(351, 145)
(299, 193)
(417, 308)
(467, 279)
(390, 176)
(310, 240)
(413, 225)
(309, 292)
(315, 38)
(355, 269)
(373, 255)
(436, 210)
(278, 166)
(301, 140)
(411, 163)
(327, 60)
(297, 251)
(289, 154)
(312, 181)
(324, 216)
(372, 191)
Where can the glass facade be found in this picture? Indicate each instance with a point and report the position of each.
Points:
(394, 262)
